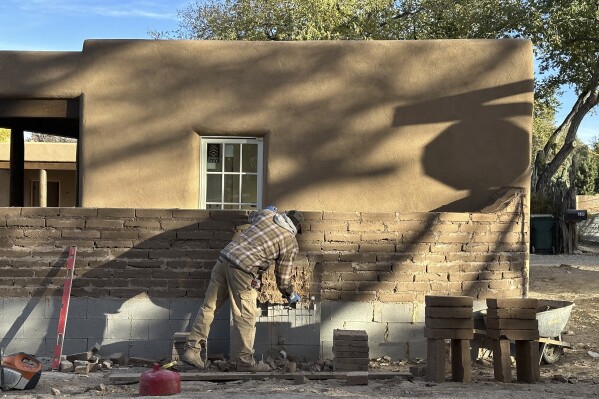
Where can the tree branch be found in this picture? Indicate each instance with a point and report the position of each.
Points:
(585, 102)
(401, 15)
(582, 39)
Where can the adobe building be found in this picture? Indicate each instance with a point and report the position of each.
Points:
(410, 160)
(49, 177)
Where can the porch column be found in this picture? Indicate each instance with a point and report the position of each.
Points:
(43, 188)
(17, 167)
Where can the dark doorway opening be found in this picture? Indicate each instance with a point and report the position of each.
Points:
(57, 117)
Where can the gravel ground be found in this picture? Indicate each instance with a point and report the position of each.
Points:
(586, 255)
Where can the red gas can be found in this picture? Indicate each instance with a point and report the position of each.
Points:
(158, 382)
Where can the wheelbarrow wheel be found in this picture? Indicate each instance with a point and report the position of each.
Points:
(552, 353)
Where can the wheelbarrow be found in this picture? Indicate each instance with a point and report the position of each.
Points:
(552, 317)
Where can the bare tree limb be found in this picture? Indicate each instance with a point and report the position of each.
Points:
(585, 102)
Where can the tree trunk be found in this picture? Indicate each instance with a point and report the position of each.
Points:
(585, 102)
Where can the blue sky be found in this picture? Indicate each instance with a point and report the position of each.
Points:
(64, 24)
(588, 131)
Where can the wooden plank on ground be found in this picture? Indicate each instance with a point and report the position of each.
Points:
(133, 377)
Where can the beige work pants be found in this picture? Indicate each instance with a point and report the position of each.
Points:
(229, 282)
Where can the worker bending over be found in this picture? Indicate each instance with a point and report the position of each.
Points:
(270, 239)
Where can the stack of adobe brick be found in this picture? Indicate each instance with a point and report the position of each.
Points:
(448, 317)
(350, 350)
(514, 319)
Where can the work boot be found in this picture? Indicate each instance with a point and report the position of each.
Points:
(254, 368)
(193, 355)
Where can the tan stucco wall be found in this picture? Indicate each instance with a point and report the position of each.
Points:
(43, 152)
(40, 74)
(370, 126)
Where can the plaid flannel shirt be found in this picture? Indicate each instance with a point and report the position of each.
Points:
(262, 244)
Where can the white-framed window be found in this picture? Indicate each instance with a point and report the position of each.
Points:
(231, 173)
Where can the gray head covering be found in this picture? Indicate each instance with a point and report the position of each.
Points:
(297, 218)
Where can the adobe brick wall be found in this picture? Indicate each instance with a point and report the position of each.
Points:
(377, 259)
(387, 257)
(120, 252)
(402, 257)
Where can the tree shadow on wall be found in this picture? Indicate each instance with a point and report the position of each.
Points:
(164, 269)
(479, 153)
(482, 151)
(37, 304)
(132, 300)
(171, 270)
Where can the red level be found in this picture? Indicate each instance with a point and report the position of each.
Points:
(64, 310)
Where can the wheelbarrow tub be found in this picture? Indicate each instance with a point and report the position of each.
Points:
(553, 317)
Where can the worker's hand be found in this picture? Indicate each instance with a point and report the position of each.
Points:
(271, 208)
(293, 298)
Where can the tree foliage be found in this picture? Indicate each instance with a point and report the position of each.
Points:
(346, 19)
(543, 124)
(50, 138)
(4, 135)
(586, 171)
(36, 137)
(566, 38)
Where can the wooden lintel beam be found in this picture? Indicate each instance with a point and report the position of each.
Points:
(43, 165)
(38, 108)
(57, 126)
(130, 377)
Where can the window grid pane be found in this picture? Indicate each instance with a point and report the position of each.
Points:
(214, 157)
(232, 181)
(214, 189)
(249, 158)
(249, 185)
(232, 158)
(231, 189)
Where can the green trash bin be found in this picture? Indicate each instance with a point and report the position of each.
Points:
(541, 234)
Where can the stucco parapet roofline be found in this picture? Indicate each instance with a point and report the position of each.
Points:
(44, 152)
